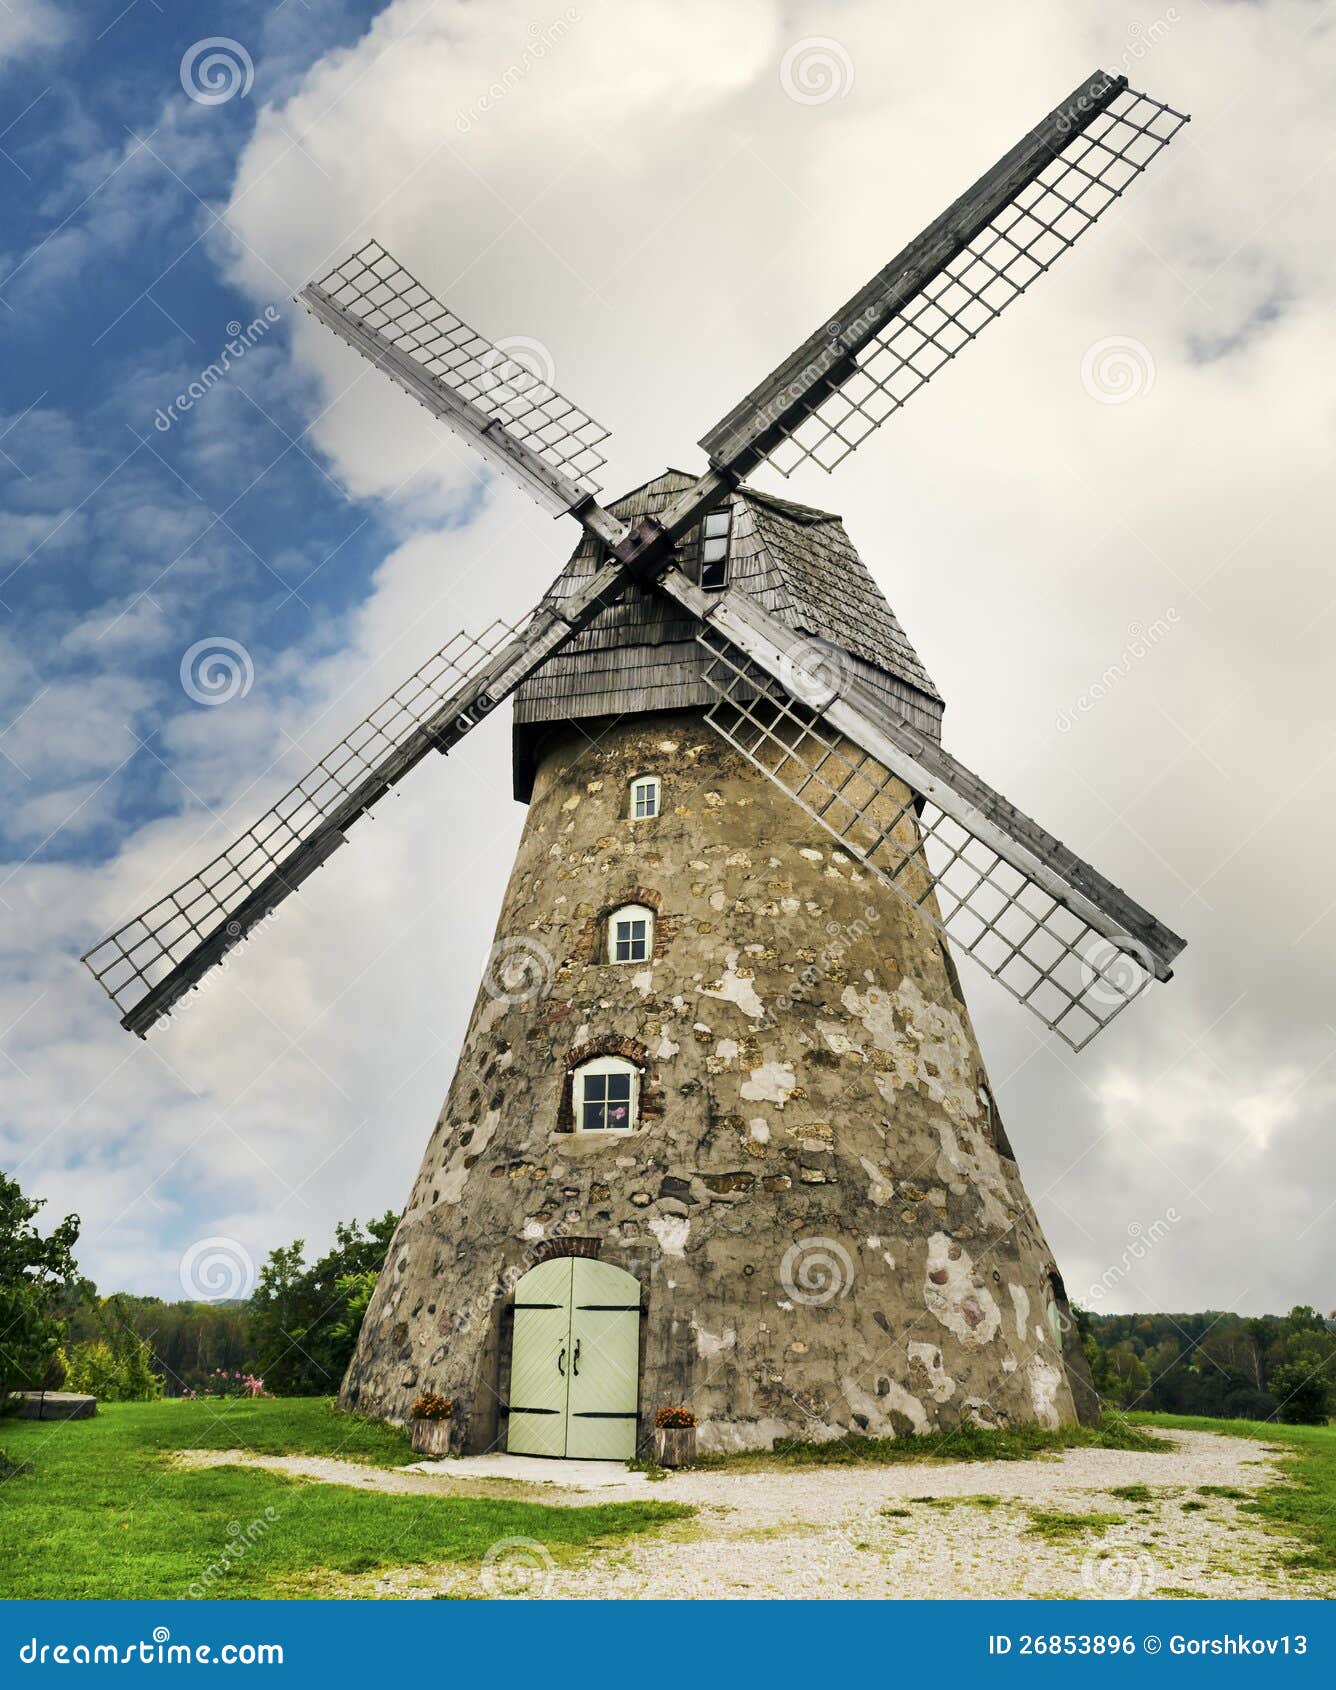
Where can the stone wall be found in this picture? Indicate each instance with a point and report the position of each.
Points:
(819, 1199)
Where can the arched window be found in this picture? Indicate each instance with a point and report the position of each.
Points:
(605, 1095)
(644, 801)
(631, 934)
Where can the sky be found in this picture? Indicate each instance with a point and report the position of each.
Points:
(1105, 528)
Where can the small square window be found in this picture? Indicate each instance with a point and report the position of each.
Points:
(644, 798)
(605, 1096)
(632, 941)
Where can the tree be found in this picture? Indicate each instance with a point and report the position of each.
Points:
(1303, 1396)
(33, 1272)
(117, 1365)
(305, 1320)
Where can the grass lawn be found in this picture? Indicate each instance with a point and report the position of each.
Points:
(966, 1443)
(105, 1514)
(1303, 1504)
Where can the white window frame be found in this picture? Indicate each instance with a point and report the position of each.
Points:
(656, 787)
(605, 1065)
(631, 912)
(716, 532)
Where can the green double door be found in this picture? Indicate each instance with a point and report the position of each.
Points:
(574, 1368)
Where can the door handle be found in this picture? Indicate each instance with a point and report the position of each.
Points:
(561, 1362)
(575, 1360)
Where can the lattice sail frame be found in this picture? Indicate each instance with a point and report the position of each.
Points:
(1075, 978)
(1024, 240)
(373, 288)
(131, 961)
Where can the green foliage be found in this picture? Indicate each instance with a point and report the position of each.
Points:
(1059, 1527)
(966, 1443)
(305, 1320)
(1302, 1392)
(1215, 1364)
(188, 1341)
(110, 1515)
(33, 1272)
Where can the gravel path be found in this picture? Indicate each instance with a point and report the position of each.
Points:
(960, 1530)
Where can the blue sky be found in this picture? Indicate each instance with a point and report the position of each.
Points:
(651, 208)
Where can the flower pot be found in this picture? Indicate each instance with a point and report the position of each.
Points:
(675, 1446)
(431, 1437)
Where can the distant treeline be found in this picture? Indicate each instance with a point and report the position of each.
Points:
(295, 1334)
(1229, 1366)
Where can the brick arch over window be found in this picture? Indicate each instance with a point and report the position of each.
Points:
(613, 1044)
(591, 945)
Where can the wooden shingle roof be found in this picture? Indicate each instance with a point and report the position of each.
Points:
(640, 655)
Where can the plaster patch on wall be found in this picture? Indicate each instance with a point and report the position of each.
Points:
(1020, 1298)
(712, 1344)
(949, 1291)
(932, 1052)
(758, 1129)
(733, 988)
(455, 1174)
(671, 1232)
(1045, 1383)
(941, 1386)
(772, 1082)
(880, 1189)
(966, 1161)
(666, 1047)
(837, 1039)
(878, 1410)
(643, 981)
(726, 1050)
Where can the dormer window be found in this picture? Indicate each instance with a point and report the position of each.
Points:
(714, 550)
(631, 934)
(605, 1095)
(644, 797)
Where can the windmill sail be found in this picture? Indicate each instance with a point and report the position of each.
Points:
(1066, 942)
(949, 283)
(511, 415)
(148, 964)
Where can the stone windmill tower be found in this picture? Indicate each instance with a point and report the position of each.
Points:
(720, 1132)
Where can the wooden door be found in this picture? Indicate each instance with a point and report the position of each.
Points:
(539, 1360)
(604, 1391)
(574, 1371)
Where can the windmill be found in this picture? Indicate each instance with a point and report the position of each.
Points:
(720, 1130)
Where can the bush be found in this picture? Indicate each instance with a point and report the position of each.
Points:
(121, 1374)
(1302, 1394)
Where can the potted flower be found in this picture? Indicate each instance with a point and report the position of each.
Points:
(431, 1416)
(675, 1437)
